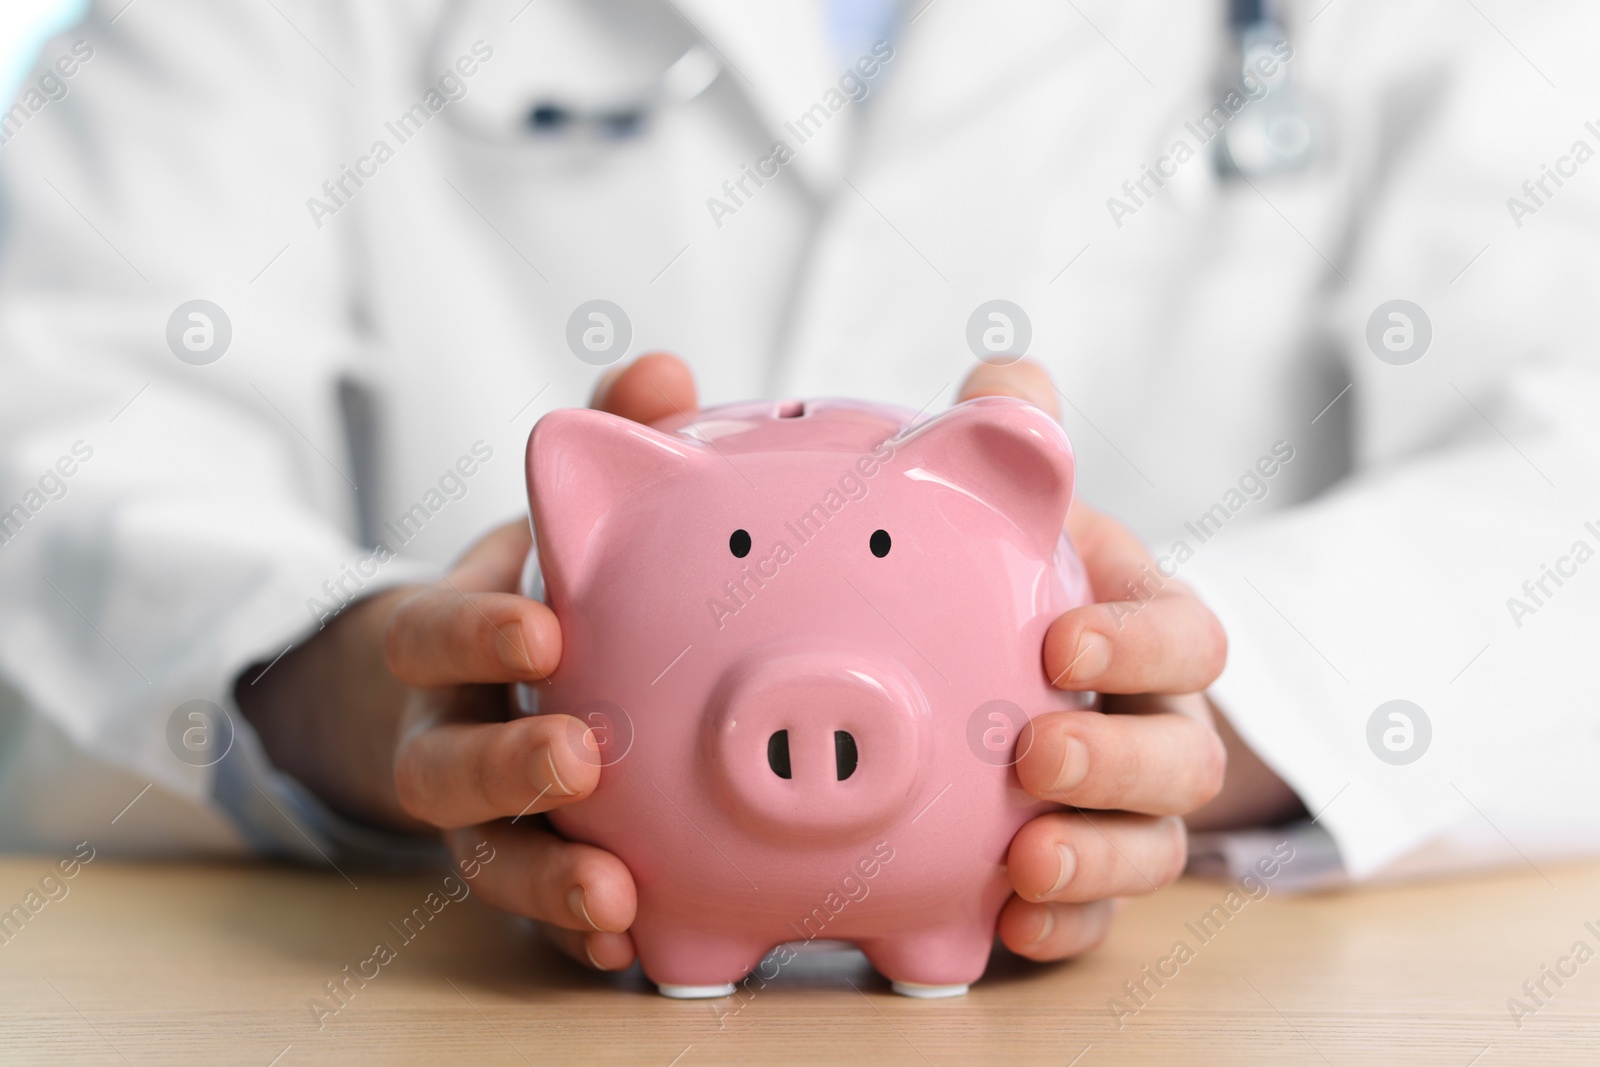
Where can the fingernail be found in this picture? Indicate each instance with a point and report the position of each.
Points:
(587, 951)
(1092, 658)
(575, 902)
(1074, 765)
(1046, 927)
(556, 784)
(513, 651)
(590, 744)
(1067, 866)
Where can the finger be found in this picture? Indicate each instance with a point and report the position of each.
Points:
(1171, 643)
(1054, 931)
(1073, 856)
(537, 874)
(1112, 553)
(494, 563)
(459, 773)
(1117, 563)
(652, 387)
(603, 951)
(1024, 379)
(447, 636)
(1146, 632)
(1165, 763)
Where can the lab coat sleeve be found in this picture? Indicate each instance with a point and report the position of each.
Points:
(168, 523)
(1458, 568)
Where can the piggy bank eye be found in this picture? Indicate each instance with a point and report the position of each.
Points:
(879, 543)
(739, 543)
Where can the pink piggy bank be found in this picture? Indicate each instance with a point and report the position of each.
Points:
(806, 637)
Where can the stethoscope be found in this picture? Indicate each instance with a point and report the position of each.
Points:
(1279, 132)
(686, 78)
(494, 118)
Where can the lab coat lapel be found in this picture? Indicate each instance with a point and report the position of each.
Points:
(778, 55)
(990, 151)
(1001, 44)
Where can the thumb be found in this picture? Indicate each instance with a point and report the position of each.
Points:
(1024, 380)
(652, 387)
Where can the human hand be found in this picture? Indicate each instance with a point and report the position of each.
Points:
(463, 767)
(397, 714)
(1128, 772)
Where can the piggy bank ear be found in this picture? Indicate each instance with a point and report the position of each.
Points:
(1003, 451)
(580, 464)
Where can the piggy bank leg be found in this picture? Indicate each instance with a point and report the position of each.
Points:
(930, 992)
(928, 964)
(695, 964)
(695, 992)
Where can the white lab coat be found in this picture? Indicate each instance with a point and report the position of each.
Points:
(1216, 321)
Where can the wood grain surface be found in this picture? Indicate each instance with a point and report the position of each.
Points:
(187, 963)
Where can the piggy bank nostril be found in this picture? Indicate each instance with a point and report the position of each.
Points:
(778, 754)
(844, 754)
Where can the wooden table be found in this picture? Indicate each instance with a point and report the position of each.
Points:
(150, 963)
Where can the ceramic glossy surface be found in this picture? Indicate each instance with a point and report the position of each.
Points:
(806, 635)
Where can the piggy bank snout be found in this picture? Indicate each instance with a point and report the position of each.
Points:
(816, 744)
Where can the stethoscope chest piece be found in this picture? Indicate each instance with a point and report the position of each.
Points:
(1279, 131)
(1278, 135)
